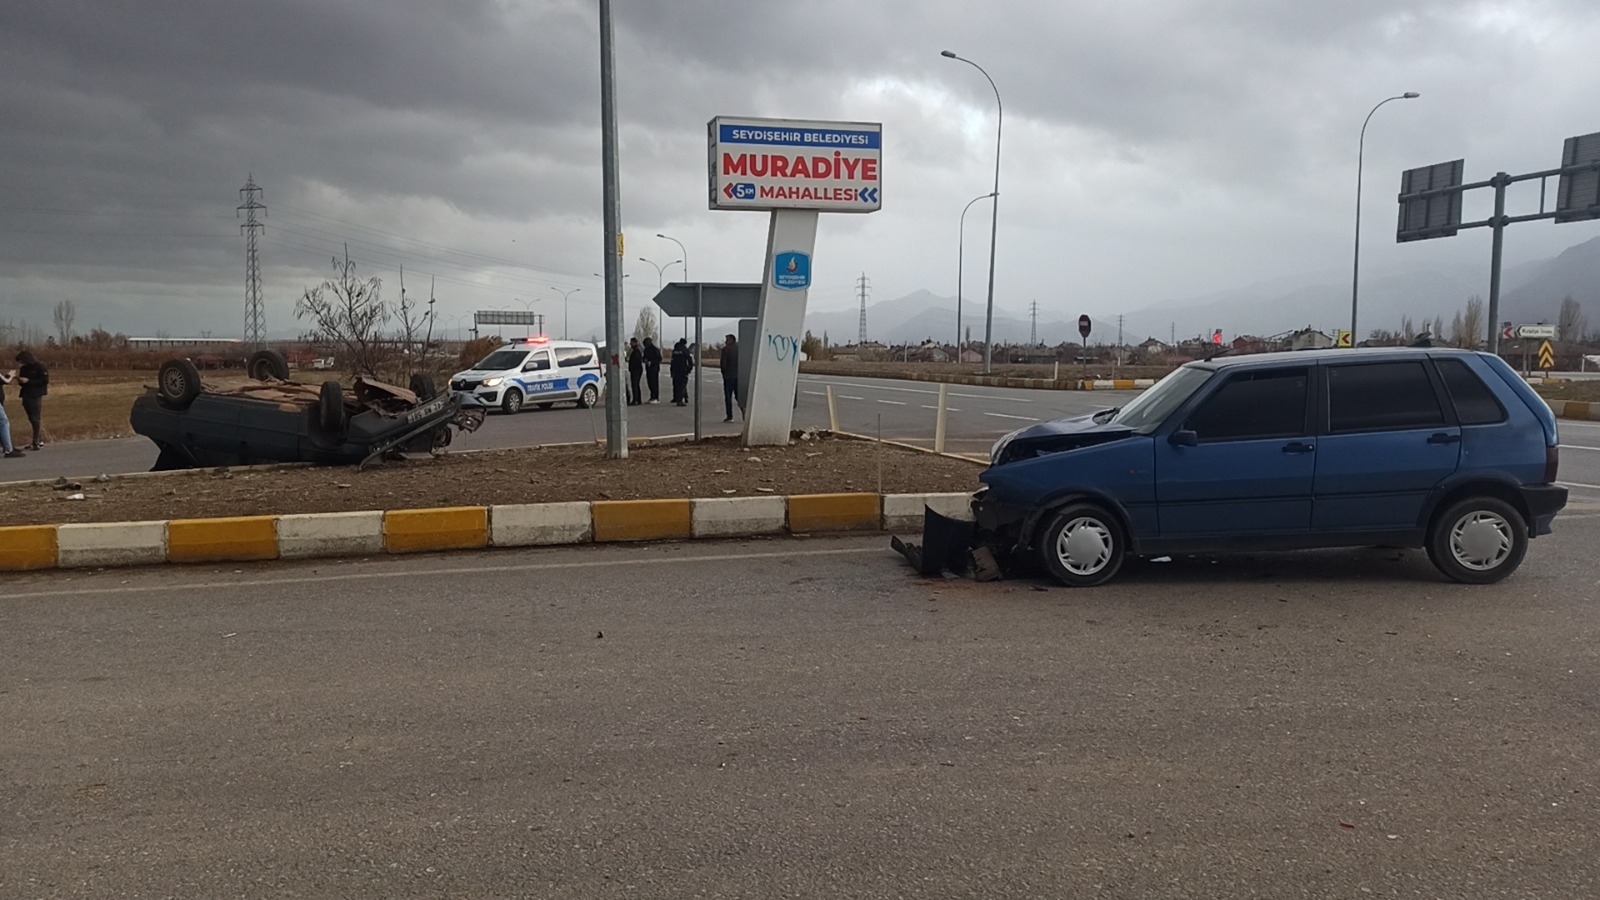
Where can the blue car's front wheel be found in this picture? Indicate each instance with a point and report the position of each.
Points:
(1083, 546)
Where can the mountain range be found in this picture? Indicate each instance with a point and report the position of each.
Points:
(1530, 292)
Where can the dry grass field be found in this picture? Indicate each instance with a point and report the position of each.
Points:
(83, 404)
(93, 403)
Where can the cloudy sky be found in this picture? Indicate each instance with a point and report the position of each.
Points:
(1154, 150)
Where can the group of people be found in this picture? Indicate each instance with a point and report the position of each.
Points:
(644, 361)
(33, 381)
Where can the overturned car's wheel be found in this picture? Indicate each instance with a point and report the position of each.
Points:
(177, 383)
(1083, 546)
(422, 385)
(331, 414)
(1479, 540)
(267, 364)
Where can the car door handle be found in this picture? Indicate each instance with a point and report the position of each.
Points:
(1298, 447)
(1442, 438)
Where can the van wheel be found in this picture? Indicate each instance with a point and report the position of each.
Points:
(267, 364)
(589, 397)
(1479, 540)
(1083, 546)
(177, 383)
(512, 401)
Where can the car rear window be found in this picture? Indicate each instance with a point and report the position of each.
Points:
(574, 356)
(1382, 397)
(1475, 403)
(1254, 405)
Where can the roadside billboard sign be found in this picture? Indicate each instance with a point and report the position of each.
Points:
(1578, 193)
(769, 164)
(1437, 212)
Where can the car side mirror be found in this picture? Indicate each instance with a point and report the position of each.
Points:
(1183, 437)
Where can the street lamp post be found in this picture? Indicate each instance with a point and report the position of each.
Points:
(1355, 277)
(660, 275)
(685, 251)
(566, 316)
(994, 222)
(622, 305)
(961, 244)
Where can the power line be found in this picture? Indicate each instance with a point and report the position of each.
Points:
(861, 287)
(255, 318)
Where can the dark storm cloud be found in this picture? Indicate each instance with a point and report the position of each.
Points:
(1217, 135)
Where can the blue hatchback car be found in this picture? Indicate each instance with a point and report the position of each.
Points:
(1411, 447)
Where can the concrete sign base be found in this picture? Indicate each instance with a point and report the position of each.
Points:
(774, 359)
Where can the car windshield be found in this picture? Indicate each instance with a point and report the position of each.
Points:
(1148, 410)
(501, 360)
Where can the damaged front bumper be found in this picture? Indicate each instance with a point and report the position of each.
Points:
(983, 546)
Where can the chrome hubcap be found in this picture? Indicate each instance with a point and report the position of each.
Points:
(1084, 546)
(1481, 540)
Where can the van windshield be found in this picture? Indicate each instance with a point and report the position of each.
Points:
(501, 360)
(1148, 410)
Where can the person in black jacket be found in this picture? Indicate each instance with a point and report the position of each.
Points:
(730, 374)
(35, 381)
(635, 369)
(682, 365)
(652, 369)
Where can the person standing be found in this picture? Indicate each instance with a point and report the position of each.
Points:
(35, 381)
(652, 369)
(635, 370)
(730, 374)
(6, 449)
(682, 364)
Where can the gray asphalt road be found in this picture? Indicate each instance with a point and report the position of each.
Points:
(802, 718)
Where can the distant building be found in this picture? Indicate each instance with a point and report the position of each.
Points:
(1310, 339)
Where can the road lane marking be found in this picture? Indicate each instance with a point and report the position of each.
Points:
(1577, 447)
(322, 578)
(1004, 416)
(1579, 484)
(893, 402)
(946, 409)
(848, 397)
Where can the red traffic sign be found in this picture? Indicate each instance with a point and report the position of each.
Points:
(1508, 332)
(1083, 326)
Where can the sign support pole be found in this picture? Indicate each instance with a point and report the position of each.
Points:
(1498, 244)
(780, 323)
(616, 412)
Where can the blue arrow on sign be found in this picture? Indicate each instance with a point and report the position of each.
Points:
(869, 195)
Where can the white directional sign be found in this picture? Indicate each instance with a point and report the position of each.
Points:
(1536, 331)
(794, 164)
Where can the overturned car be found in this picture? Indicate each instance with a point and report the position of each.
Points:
(273, 419)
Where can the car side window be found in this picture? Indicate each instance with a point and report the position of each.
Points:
(537, 362)
(1382, 397)
(1252, 405)
(1475, 404)
(574, 356)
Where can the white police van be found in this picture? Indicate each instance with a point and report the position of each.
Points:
(534, 370)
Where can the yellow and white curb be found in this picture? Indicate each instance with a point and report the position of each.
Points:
(305, 536)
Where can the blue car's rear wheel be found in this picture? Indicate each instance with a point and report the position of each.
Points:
(1083, 546)
(1479, 540)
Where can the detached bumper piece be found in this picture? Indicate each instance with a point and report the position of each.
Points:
(948, 545)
